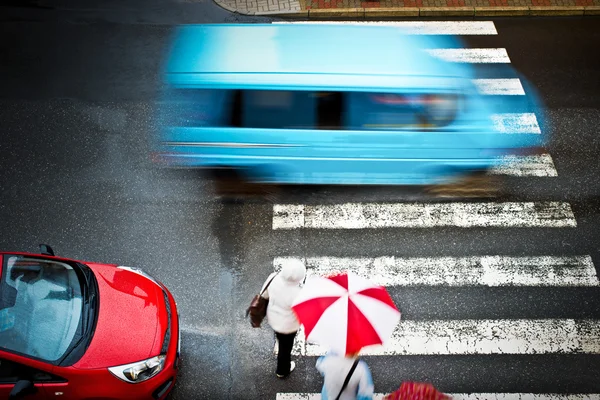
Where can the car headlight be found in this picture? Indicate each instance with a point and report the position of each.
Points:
(139, 272)
(139, 371)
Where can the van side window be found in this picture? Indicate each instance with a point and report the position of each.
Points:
(278, 109)
(383, 111)
(380, 111)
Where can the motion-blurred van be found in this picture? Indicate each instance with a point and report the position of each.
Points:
(327, 104)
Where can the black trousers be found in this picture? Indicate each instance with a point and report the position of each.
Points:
(284, 355)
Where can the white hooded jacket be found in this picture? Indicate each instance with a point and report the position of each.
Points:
(281, 294)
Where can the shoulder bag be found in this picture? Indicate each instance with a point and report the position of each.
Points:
(347, 379)
(258, 307)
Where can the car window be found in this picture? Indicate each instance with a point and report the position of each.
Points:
(40, 307)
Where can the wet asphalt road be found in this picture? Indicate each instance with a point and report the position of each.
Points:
(76, 112)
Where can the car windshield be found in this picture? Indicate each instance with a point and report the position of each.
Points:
(40, 307)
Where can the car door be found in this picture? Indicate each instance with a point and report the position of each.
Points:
(18, 380)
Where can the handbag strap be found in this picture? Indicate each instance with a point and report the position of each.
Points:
(347, 378)
(266, 287)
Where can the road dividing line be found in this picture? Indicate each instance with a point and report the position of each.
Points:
(423, 215)
(516, 123)
(458, 271)
(537, 165)
(502, 336)
(420, 27)
(472, 56)
(464, 396)
(500, 87)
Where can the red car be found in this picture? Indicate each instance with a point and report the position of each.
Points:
(78, 330)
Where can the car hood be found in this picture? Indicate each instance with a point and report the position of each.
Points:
(131, 317)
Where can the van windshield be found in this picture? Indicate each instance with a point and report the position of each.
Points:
(41, 307)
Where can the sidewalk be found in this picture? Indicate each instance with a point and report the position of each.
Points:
(374, 9)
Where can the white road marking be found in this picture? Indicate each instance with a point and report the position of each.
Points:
(516, 123)
(500, 87)
(423, 215)
(420, 27)
(501, 336)
(458, 271)
(536, 165)
(477, 56)
(465, 396)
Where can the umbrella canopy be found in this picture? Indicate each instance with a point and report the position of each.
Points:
(416, 391)
(345, 312)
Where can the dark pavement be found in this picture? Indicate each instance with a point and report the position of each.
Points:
(77, 111)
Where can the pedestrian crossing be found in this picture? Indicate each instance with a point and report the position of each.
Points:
(492, 271)
(473, 56)
(423, 215)
(460, 337)
(500, 87)
(481, 337)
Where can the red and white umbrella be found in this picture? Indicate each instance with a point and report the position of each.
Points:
(345, 312)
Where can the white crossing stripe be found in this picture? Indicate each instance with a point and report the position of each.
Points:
(500, 87)
(482, 336)
(423, 215)
(478, 56)
(465, 396)
(458, 271)
(420, 27)
(536, 165)
(516, 123)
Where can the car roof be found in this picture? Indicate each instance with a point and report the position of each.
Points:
(301, 55)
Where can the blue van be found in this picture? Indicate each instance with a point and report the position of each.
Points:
(325, 104)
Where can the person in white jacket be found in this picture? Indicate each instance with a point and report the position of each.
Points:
(281, 294)
(335, 368)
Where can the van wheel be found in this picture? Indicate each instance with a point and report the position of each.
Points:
(473, 185)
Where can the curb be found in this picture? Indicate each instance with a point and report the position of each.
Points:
(375, 13)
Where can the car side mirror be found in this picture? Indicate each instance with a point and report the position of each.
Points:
(46, 250)
(21, 389)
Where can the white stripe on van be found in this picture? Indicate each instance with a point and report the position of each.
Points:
(536, 165)
(423, 215)
(464, 396)
(486, 336)
(489, 271)
(478, 56)
(503, 87)
(420, 27)
(516, 123)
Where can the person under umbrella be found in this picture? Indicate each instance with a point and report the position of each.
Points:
(346, 313)
(335, 370)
